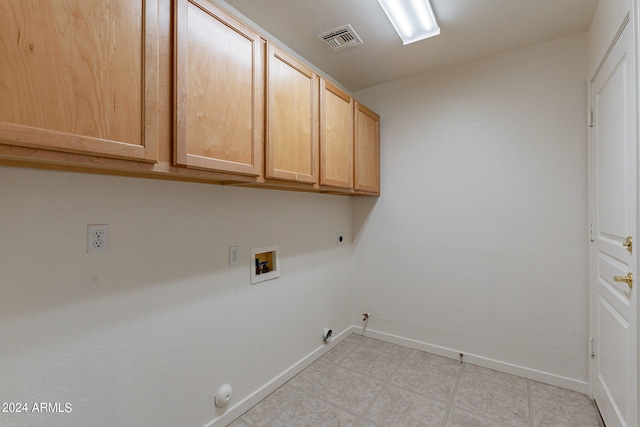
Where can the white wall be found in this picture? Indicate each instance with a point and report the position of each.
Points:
(478, 243)
(145, 334)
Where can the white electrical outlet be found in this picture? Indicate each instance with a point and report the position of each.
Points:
(97, 238)
(234, 255)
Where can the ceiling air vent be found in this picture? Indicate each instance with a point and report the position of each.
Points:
(341, 37)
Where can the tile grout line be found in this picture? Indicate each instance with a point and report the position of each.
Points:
(447, 413)
(319, 396)
(289, 402)
(386, 383)
(530, 401)
(284, 407)
(403, 361)
(343, 358)
(338, 364)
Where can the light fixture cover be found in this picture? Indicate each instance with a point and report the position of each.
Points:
(413, 19)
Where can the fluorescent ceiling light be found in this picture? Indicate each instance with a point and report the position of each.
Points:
(412, 19)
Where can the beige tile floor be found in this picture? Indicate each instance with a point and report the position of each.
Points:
(365, 382)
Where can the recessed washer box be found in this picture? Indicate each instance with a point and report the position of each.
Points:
(266, 263)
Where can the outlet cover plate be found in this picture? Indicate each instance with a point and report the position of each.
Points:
(234, 255)
(97, 238)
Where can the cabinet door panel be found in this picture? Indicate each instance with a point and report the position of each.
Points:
(80, 76)
(292, 133)
(367, 151)
(336, 137)
(219, 91)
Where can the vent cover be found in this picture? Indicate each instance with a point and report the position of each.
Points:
(341, 37)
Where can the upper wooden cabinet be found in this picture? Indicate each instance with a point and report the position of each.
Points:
(80, 76)
(173, 89)
(219, 91)
(292, 119)
(367, 151)
(336, 137)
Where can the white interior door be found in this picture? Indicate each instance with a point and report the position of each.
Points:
(613, 215)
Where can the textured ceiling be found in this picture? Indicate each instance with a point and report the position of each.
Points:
(469, 29)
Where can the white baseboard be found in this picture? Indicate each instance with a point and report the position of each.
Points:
(521, 371)
(264, 391)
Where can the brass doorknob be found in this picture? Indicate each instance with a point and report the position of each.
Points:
(628, 279)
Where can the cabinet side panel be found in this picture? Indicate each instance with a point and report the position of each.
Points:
(73, 67)
(220, 90)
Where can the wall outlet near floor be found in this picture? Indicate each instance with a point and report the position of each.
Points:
(97, 238)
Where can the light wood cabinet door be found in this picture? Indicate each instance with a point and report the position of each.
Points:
(336, 137)
(219, 91)
(80, 76)
(367, 150)
(292, 119)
